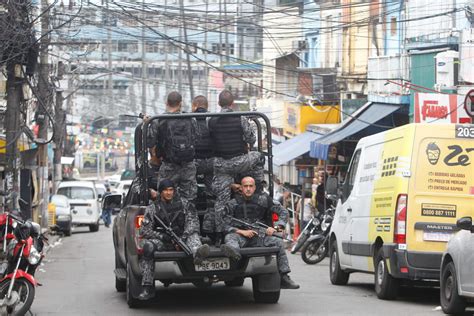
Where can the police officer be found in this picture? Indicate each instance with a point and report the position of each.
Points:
(182, 217)
(205, 162)
(232, 138)
(176, 143)
(252, 207)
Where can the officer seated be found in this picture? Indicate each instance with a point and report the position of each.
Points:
(252, 207)
(182, 217)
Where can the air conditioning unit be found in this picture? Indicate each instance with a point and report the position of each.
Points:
(447, 68)
(300, 45)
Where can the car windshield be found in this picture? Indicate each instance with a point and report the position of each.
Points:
(59, 200)
(77, 193)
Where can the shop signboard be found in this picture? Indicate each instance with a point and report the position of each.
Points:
(440, 108)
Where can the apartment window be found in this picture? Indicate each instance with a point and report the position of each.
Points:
(393, 26)
(152, 47)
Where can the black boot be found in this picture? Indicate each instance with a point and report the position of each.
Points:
(201, 253)
(288, 283)
(231, 252)
(147, 293)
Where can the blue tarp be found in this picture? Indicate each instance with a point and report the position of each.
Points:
(365, 117)
(293, 148)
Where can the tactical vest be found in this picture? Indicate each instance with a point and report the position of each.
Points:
(204, 147)
(173, 214)
(252, 210)
(227, 134)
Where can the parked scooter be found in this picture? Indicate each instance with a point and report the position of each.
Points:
(311, 229)
(24, 255)
(316, 247)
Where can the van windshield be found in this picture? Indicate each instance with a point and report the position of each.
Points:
(77, 193)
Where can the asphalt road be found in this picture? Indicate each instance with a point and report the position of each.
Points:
(78, 279)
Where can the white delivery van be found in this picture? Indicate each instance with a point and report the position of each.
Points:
(404, 190)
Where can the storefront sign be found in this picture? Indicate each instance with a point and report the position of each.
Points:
(440, 108)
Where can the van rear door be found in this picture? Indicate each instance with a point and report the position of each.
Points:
(441, 190)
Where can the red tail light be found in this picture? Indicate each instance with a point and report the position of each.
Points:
(399, 235)
(138, 239)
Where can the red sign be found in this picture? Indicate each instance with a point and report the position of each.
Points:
(469, 103)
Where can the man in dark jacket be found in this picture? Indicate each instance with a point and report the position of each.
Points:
(252, 207)
(233, 137)
(182, 217)
(176, 146)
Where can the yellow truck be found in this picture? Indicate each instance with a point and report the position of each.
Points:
(404, 190)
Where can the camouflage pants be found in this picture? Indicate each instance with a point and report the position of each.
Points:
(205, 167)
(184, 177)
(147, 262)
(225, 171)
(237, 241)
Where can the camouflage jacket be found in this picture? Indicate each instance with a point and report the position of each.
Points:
(263, 200)
(151, 229)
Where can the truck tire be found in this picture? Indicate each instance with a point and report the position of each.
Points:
(94, 228)
(451, 302)
(120, 285)
(235, 282)
(266, 297)
(386, 286)
(132, 284)
(336, 274)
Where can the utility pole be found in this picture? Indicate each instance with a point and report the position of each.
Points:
(188, 61)
(180, 63)
(144, 68)
(220, 34)
(60, 128)
(227, 50)
(12, 123)
(206, 77)
(45, 99)
(110, 102)
(167, 46)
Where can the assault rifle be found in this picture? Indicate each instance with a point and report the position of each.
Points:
(258, 227)
(178, 241)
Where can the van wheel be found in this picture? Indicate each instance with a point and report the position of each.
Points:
(336, 274)
(451, 302)
(386, 286)
(94, 228)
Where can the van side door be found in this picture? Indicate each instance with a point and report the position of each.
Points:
(347, 208)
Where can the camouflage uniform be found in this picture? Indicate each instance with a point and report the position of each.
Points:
(237, 241)
(156, 240)
(184, 175)
(226, 170)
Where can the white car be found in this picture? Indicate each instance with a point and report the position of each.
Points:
(101, 189)
(84, 200)
(123, 186)
(457, 269)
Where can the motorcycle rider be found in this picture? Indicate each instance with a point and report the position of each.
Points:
(183, 219)
(252, 207)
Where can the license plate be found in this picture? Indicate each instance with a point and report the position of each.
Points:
(213, 264)
(436, 236)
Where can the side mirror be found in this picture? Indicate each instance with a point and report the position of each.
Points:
(331, 185)
(465, 223)
(112, 201)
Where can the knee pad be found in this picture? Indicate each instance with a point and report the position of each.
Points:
(148, 249)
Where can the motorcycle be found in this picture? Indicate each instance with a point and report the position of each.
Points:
(312, 228)
(317, 246)
(24, 255)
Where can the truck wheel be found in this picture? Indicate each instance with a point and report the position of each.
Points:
(132, 285)
(266, 297)
(68, 231)
(336, 274)
(451, 302)
(120, 285)
(235, 282)
(386, 286)
(94, 228)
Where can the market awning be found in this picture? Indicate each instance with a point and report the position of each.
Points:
(365, 117)
(293, 148)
